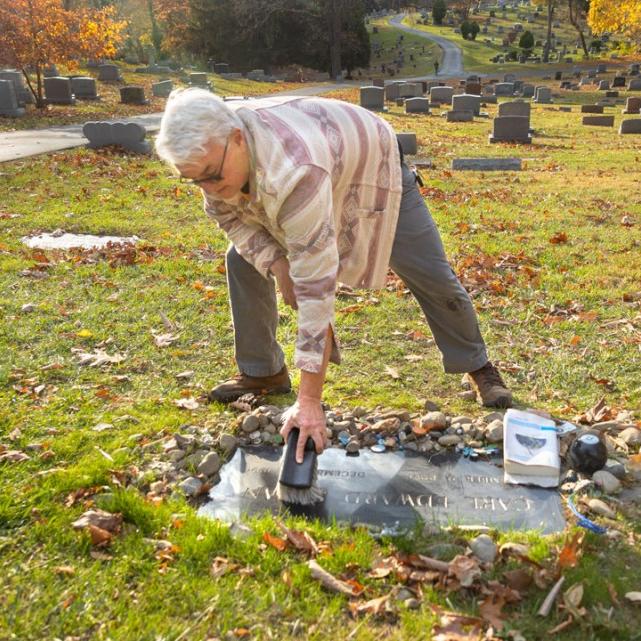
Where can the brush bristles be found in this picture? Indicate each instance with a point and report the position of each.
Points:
(301, 496)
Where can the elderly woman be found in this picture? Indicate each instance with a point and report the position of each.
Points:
(312, 192)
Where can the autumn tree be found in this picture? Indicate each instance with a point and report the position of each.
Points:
(577, 11)
(616, 16)
(38, 33)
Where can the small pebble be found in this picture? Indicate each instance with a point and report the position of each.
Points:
(28, 308)
(607, 482)
(191, 486)
(250, 424)
(484, 548)
(603, 509)
(210, 464)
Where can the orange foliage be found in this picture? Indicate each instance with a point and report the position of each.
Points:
(37, 33)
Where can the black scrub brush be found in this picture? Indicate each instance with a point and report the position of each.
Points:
(297, 482)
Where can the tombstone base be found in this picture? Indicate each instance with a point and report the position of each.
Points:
(13, 113)
(520, 141)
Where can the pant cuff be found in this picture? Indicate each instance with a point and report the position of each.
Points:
(260, 370)
(468, 366)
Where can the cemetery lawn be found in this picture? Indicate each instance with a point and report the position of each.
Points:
(387, 37)
(110, 107)
(549, 255)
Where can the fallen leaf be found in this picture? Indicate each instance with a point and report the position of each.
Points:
(634, 597)
(392, 372)
(65, 570)
(330, 582)
(300, 540)
(14, 456)
(100, 519)
(559, 238)
(164, 340)
(491, 609)
(571, 551)
(275, 541)
(372, 607)
(466, 569)
(97, 358)
(99, 537)
(456, 627)
(518, 579)
(187, 403)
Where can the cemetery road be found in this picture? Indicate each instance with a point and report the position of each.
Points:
(452, 62)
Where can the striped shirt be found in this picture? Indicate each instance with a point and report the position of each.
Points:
(325, 191)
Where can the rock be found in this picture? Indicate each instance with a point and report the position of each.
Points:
(434, 421)
(465, 383)
(431, 406)
(484, 548)
(228, 443)
(605, 426)
(210, 464)
(615, 468)
(631, 436)
(411, 446)
(494, 432)
(157, 487)
(250, 424)
(461, 420)
(449, 439)
(352, 447)
(176, 455)
(584, 485)
(603, 509)
(607, 482)
(27, 308)
(191, 486)
(469, 395)
(412, 604)
(135, 438)
(359, 411)
(493, 416)
(387, 425)
(184, 441)
(404, 594)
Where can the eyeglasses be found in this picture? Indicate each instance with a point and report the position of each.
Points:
(211, 178)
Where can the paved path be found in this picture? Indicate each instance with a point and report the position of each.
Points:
(31, 142)
(452, 62)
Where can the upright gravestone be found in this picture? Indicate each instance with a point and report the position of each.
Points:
(543, 95)
(441, 95)
(515, 108)
(221, 67)
(511, 129)
(256, 74)
(372, 98)
(109, 73)
(467, 102)
(634, 69)
(504, 89)
(162, 89)
(392, 91)
(407, 140)
(472, 87)
(51, 72)
(417, 105)
(634, 84)
(23, 94)
(618, 81)
(604, 85)
(8, 100)
(378, 82)
(133, 95)
(199, 79)
(58, 91)
(84, 88)
(509, 77)
(527, 91)
(632, 106)
(631, 126)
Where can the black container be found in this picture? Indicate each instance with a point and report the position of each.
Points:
(588, 454)
(298, 475)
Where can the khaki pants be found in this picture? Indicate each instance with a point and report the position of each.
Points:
(419, 260)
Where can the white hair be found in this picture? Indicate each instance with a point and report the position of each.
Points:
(193, 119)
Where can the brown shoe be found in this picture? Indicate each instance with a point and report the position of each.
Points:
(490, 387)
(234, 388)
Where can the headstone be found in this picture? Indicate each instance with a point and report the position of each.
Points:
(407, 90)
(256, 74)
(221, 67)
(23, 93)
(109, 73)
(162, 89)
(372, 98)
(632, 106)
(591, 109)
(417, 106)
(511, 129)
(392, 91)
(601, 68)
(509, 77)
(631, 126)
(408, 142)
(231, 76)
(129, 135)
(467, 102)
(472, 87)
(634, 69)
(51, 72)
(401, 488)
(58, 91)
(618, 81)
(543, 95)
(459, 116)
(558, 75)
(84, 88)
(599, 121)
(378, 82)
(8, 100)
(611, 94)
(133, 95)
(515, 108)
(441, 95)
(199, 79)
(527, 91)
(604, 85)
(504, 89)
(634, 84)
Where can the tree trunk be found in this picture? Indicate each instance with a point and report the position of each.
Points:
(334, 20)
(574, 19)
(548, 43)
(36, 92)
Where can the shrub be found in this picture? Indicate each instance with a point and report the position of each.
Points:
(438, 11)
(526, 42)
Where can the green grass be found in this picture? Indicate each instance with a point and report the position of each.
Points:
(559, 318)
(387, 37)
(110, 107)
